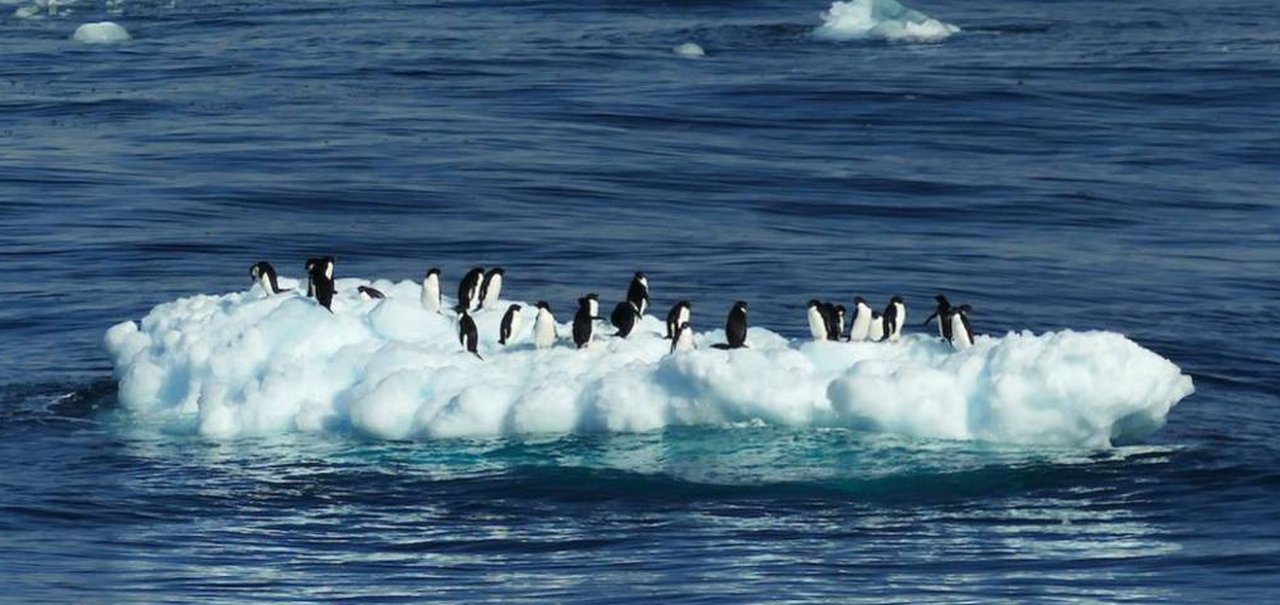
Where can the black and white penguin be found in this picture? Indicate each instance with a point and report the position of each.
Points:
(895, 316)
(876, 329)
(861, 320)
(638, 292)
(942, 314)
(544, 326)
(469, 290)
(467, 334)
(817, 320)
(311, 265)
(735, 327)
(491, 289)
(593, 303)
(432, 296)
(961, 329)
(835, 317)
(583, 324)
(683, 338)
(624, 318)
(367, 293)
(321, 277)
(510, 324)
(263, 273)
(679, 314)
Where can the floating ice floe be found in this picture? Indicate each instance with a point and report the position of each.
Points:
(881, 20)
(105, 32)
(690, 50)
(246, 363)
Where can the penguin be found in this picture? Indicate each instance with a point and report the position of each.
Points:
(311, 265)
(638, 292)
(835, 327)
(583, 324)
(491, 289)
(467, 334)
(469, 290)
(432, 299)
(735, 328)
(861, 320)
(679, 314)
(961, 330)
(593, 303)
(683, 339)
(941, 313)
(367, 293)
(544, 326)
(265, 274)
(321, 276)
(510, 324)
(624, 318)
(817, 320)
(895, 316)
(875, 328)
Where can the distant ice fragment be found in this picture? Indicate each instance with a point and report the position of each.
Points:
(105, 32)
(881, 20)
(689, 49)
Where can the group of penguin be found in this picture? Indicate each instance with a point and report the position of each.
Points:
(479, 290)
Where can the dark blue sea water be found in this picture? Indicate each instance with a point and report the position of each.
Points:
(1087, 165)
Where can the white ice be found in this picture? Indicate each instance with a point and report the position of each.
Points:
(881, 20)
(105, 32)
(690, 50)
(246, 363)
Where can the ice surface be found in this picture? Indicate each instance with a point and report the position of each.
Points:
(882, 20)
(690, 50)
(105, 32)
(246, 363)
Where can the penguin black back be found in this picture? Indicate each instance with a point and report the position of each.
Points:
(370, 293)
(735, 327)
(638, 292)
(508, 324)
(678, 314)
(583, 325)
(942, 314)
(624, 318)
(468, 336)
(264, 273)
(321, 276)
(469, 289)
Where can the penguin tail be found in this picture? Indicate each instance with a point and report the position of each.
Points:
(477, 355)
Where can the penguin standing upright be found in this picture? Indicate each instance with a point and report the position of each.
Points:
(961, 329)
(432, 298)
(469, 290)
(491, 289)
(624, 318)
(817, 320)
(876, 328)
(510, 324)
(683, 338)
(593, 304)
(735, 327)
(265, 274)
(678, 314)
(311, 265)
(467, 334)
(583, 324)
(321, 276)
(544, 326)
(942, 314)
(835, 327)
(861, 320)
(638, 292)
(895, 316)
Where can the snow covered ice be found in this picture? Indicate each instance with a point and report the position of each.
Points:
(246, 363)
(881, 20)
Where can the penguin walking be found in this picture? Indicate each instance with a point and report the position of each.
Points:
(895, 316)
(469, 290)
(321, 277)
(467, 334)
(432, 298)
(961, 329)
(683, 339)
(817, 320)
(624, 318)
(583, 324)
(263, 273)
(544, 326)
(491, 288)
(679, 314)
(368, 293)
(735, 328)
(835, 322)
(942, 313)
(861, 320)
(510, 324)
(638, 292)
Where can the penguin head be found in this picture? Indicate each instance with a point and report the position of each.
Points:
(740, 306)
(813, 302)
(543, 306)
(942, 301)
(497, 271)
(433, 271)
(840, 310)
(685, 304)
(591, 296)
(858, 300)
(255, 270)
(897, 300)
(966, 309)
(514, 308)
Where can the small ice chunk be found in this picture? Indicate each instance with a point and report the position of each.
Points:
(690, 50)
(105, 32)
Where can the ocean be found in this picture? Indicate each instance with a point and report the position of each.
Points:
(1097, 167)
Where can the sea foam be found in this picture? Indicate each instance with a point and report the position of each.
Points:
(881, 20)
(246, 363)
